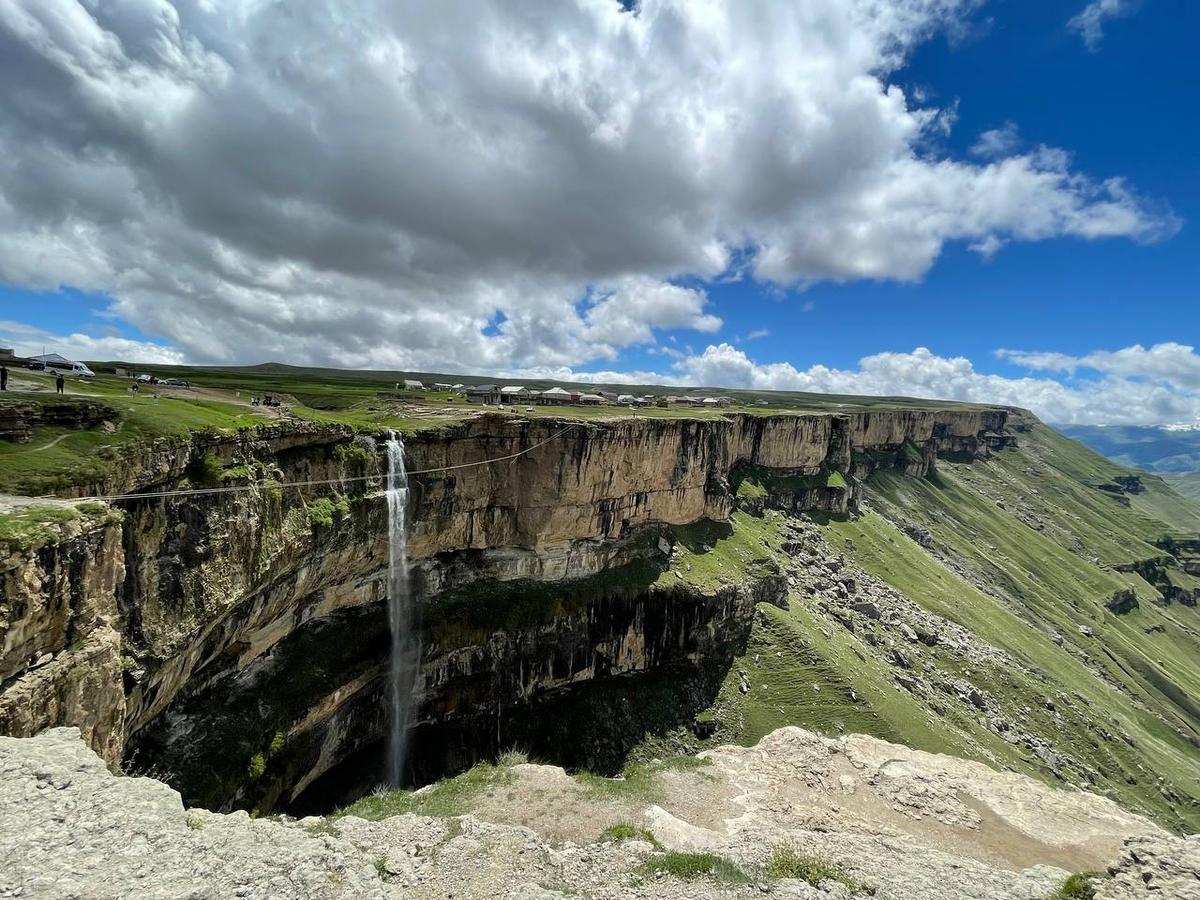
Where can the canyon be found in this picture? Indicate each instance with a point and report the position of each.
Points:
(211, 608)
(236, 641)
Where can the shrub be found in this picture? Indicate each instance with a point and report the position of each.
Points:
(787, 862)
(258, 765)
(205, 470)
(696, 865)
(321, 511)
(1077, 887)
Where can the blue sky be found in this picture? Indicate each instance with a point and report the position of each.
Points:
(182, 256)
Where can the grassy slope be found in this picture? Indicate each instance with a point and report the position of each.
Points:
(1186, 484)
(1138, 670)
(1015, 573)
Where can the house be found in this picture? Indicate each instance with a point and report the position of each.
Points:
(514, 393)
(459, 387)
(557, 396)
(627, 399)
(439, 386)
(410, 385)
(709, 402)
(590, 399)
(607, 396)
(483, 393)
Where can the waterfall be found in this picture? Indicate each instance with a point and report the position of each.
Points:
(405, 657)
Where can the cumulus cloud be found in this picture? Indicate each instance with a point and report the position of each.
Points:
(1137, 387)
(479, 185)
(1089, 21)
(28, 341)
(1172, 364)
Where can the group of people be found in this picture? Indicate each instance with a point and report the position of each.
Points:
(267, 400)
(60, 383)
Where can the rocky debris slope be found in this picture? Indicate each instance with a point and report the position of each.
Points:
(1156, 868)
(900, 824)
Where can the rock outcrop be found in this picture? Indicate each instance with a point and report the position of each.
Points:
(890, 822)
(60, 643)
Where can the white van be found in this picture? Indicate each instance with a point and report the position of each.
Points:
(67, 367)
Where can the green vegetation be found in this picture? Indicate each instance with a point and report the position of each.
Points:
(623, 831)
(322, 511)
(30, 526)
(639, 781)
(449, 797)
(689, 866)
(205, 471)
(787, 862)
(1077, 887)
(1186, 484)
(711, 555)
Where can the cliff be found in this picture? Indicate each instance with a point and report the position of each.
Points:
(199, 602)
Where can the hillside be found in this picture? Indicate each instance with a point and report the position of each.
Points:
(1151, 448)
(599, 589)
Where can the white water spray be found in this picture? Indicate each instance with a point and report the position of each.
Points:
(402, 620)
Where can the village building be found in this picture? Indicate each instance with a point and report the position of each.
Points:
(483, 393)
(514, 393)
(411, 385)
(627, 399)
(590, 400)
(439, 386)
(557, 396)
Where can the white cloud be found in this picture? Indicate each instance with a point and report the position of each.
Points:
(28, 341)
(1133, 391)
(997, 142)
(758, 333)
(625, 314)
(1172, 364)
(366, 183)
(1089, 21)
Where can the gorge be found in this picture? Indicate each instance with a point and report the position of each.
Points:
(585, 590)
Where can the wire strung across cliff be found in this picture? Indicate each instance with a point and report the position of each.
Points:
(233, 489)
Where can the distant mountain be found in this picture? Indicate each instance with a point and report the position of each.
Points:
(1170, 448)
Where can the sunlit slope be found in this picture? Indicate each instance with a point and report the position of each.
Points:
(1056, 657)
(1020, 550)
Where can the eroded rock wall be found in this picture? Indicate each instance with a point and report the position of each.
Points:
(217, 587)
(60, 643)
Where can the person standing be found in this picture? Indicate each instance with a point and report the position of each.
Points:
(59, 384)
(3, 378)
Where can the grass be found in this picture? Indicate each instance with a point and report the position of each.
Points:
(710, 555)
(690, 866)
(787, 862)
(624, 831)
(32, 526)
(639, 781)
(1077, 887)
(448, 797)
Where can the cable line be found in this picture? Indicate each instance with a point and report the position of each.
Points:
(233, 489)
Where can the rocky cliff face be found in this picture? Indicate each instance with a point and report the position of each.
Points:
(258, 592)
(60, 643)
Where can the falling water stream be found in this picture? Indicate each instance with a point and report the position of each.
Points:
(406, 636)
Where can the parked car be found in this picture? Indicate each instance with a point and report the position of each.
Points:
(37, 365)
(174, 382)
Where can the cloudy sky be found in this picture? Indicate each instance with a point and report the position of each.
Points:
(953, 198)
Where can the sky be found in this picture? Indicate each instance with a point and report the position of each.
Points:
(988, 200)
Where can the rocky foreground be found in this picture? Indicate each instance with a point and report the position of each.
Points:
(897, 823)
